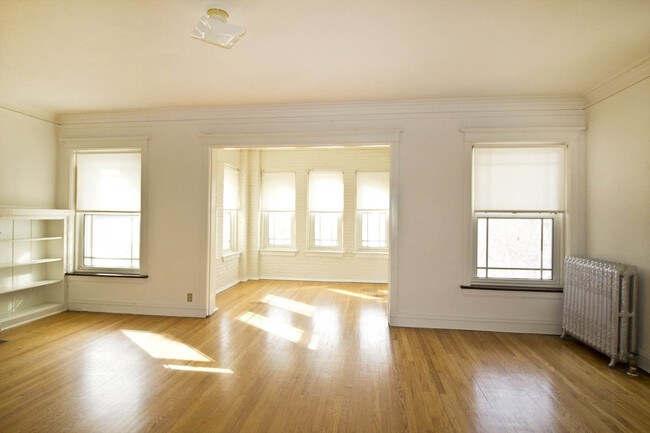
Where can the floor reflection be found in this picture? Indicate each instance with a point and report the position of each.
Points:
(162, 347)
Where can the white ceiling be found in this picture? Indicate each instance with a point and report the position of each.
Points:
(80, 55)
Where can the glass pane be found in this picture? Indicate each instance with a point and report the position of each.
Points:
(227, 231)
(547, 275)
(515, 243)
(481, 273)
(513, 273)
(481, 242)
(111, 241)
(373, 229)
(280, 229)
(326, 229)
(547, 247)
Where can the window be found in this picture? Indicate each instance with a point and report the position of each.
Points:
(373, 192)
(326, 210)
(108, 210)
(518, 203)
(278, 210)
(230, 209)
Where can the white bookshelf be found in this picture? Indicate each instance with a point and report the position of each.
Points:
(33, 261)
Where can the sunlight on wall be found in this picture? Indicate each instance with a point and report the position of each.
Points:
(281, 330)
(200, 369)
(289, 304)
(163, 348)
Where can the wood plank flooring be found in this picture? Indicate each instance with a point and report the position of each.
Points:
(300, 357)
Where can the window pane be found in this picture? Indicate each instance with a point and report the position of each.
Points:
(373, 229)
(326, 229)
(514, 243)
(326, 191)
(227, 231)
(111, 241)
(547, 247)
(108, 181)
(513, 273)
(279, 229)
(481, 242)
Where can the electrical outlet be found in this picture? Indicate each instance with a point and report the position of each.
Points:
(189, 297)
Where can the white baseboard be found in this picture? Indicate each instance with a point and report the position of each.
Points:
(324, 280)
(227, 286)
(643, 360)
(477, 324)
(128, 308)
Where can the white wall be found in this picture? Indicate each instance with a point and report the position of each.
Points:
(618, 196)
(429, 260)
(27, 161)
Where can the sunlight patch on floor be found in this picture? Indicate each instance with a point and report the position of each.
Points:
(199, 369)
(356, 295)
(162, 347)
(272, 327)
(289, 304)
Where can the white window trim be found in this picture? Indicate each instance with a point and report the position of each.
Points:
(573, 234)
(264, 232)
(558, 250)
(233, 232)
(372, 250)
(69, 148)
(311, 234)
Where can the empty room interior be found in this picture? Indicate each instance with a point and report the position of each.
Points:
(304, 216)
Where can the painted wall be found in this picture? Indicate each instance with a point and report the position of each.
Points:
(618, 195)
(429, 260)
(27, 161)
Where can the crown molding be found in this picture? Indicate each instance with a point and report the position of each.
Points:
(27, 111)
(610, 87)
(327, 138)
(296, 111)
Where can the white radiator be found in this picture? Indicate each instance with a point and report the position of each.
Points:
(599, 307)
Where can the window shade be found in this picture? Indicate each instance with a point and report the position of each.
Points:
(108, 181)
(373, 191)
(230, 188)
(278, 191)
(519, 179)
(326, 191)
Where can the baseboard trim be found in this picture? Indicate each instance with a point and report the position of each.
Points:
(227, 286)
(325, 280)
(143, 309)
(477, 324)
(643, 360)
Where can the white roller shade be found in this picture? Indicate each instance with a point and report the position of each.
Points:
(230, 188)
(519, 179)
(373, 191)
(108, 181)
(278, 191)
(326, 191)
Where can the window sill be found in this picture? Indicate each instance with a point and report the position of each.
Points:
(230, 256)
(324, 253)
(512, 288)
(269, 252)
(378, 254)
(105, 274)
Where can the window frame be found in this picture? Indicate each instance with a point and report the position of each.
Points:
(573, 235)
(312, 232)
(233, 213)
(107, 146)
(266, 246)
(557, 250)
(359, 231)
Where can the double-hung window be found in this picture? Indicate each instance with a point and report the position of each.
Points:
(230, 209)
(373, 192)
(278, 210)
(108, 210)
(326, 210)
(518, 204)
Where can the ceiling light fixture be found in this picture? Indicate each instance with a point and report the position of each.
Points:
(215, 29)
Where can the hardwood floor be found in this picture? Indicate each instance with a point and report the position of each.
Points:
(299, 357)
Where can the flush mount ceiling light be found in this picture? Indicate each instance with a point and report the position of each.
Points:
(215, 29)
